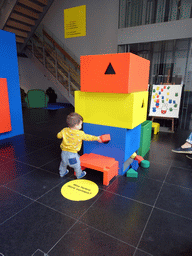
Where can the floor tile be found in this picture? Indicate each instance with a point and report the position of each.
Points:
(180, 176)
(37, 142)
(142, 253)
(141, 189)
(118, 216)
(179, 137)
(39, 252)
(14, 140)
(12, 151)
(27, 140)
(11, 203)
(53, 166)
(155, 171)
(12, 170)
(88, 241)
(97, 177)
(175, 199)
(112, 222)
(4, 160)
(160, 150)
(167, 234)
(75, 209)
(35, 184)
(42, 156)
(159, 155)
(180, 160)
(165, 138)
(35, 227)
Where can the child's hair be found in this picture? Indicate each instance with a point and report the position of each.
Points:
(73, 119)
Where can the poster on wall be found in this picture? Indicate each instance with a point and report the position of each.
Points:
(165, 101)
(75, 21)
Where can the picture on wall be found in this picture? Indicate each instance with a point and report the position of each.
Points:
(165, 101)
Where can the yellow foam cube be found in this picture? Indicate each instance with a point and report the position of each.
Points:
(111, 109)
(134, 155)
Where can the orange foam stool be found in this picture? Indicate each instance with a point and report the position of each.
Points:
(108, 165)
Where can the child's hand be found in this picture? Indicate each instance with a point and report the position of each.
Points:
(99, 140)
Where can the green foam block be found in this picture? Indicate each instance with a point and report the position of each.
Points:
(145, 164)
(132, 173)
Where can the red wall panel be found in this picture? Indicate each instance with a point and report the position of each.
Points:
(5, 119)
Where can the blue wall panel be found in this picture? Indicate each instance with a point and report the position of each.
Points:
(123, 142)
(9, 70)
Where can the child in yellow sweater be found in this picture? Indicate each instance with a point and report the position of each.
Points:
(72, 141)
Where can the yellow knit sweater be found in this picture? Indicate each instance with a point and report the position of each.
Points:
(72, 139)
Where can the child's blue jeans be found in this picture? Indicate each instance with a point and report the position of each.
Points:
(72, 160)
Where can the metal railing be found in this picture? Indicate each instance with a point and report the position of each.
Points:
(56, 60)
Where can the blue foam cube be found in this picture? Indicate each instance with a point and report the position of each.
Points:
(123, 143)
(135, 165)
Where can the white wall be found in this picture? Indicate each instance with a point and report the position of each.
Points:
(101, 38)
(31, 77)
(102, 26)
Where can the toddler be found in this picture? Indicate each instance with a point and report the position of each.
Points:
(72, 141)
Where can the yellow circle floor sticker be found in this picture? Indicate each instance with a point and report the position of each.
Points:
(79, 190)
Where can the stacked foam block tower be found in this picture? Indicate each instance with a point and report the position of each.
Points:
(113, 100)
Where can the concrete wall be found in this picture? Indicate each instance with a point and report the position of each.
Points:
(101, 38)
(179, 29)
(31, 77)
(102, 26)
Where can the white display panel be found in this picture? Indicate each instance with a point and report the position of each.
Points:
(165, 101)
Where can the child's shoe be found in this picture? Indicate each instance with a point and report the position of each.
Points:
(62, 175)
(82, 175)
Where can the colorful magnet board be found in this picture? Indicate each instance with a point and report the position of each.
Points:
(114, 73)
(75, 21)
(5, 120)
(165, 101)
(79, 190)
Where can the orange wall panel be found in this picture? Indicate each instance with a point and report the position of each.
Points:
(114, 73)
(5, 119)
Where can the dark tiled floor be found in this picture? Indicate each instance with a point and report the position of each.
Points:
(151, 215)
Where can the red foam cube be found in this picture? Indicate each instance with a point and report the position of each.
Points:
(139, 158)
(105, 137)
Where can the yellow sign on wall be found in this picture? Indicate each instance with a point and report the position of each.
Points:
(75, 21)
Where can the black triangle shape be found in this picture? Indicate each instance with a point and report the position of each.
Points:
(110, 70)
